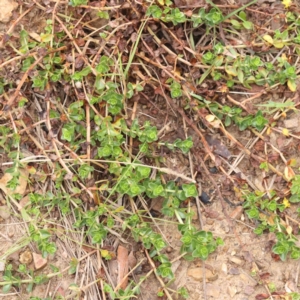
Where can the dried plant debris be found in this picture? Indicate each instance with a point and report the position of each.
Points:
(147, 146)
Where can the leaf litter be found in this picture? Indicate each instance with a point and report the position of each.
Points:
(159, 66)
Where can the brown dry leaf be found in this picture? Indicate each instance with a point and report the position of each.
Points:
(87, 249)
(265, 276)
(271, 220)
(21, 188)
(237, 213)
(289, 173)
(122, 258)
(6, 8)
(210, 118)
(218, 147)
(131, 260)
(292, 162)
(35, 36)
(262, 296)
(212, 214)
(113, 271)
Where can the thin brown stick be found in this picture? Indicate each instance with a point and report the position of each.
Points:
(24, 77)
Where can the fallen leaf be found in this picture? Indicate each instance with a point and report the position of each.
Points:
(210, 118)
(275, 257)
(20, 189)
(278, 44)
(289, 174)
(237, 213)
(268, 39)
(289, 230)
(265, 276)
(7, 6)
(292, 85)
(122, 258)
(261, 296)
(218, 147)
(292, 162)
(131, 260)
(230, 70)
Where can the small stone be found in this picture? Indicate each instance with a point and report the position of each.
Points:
(292, 123)
(25, 257)
(156, 203)
(248, 280)
(213, 291)
(197, 274)
(236, 260)
(249, 290)
(226, 228)
(65, 254)
(4, 212)
(11, 232)
(39, 261)
(6, 8)
(290, 286)
(231, 290)
(224, 268)
(234, 271)
(169, 250)
(2, 266)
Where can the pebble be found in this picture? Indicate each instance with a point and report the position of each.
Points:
(234, 271)
(247, 279)
(2, 266)
(169, 250)
(39, 261)
(7, 6)
(231, 290)
(197, 274)
(4, 212)
(224, 268)
(236, 260)
(292, 123)
(213, 291)
(11, 232)
(249, 290)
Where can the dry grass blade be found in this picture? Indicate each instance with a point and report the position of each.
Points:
(134, 136)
